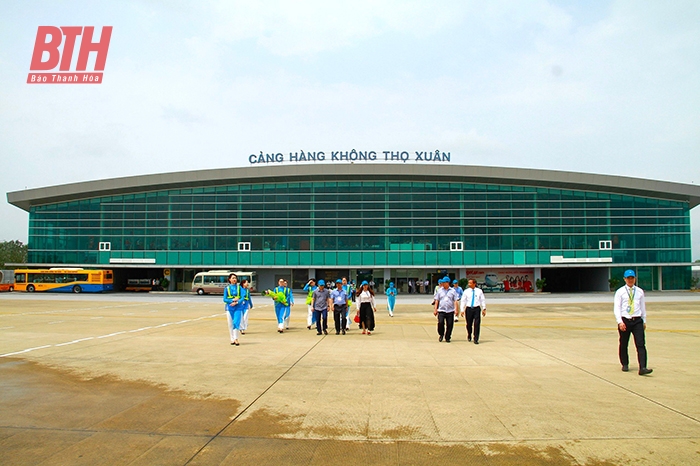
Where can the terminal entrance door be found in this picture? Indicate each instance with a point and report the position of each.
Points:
(330, 276)
(575, 280)
(409, 280)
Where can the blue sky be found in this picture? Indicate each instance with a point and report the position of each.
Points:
(599, 87)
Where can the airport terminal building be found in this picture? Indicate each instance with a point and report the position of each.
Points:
(408, 222)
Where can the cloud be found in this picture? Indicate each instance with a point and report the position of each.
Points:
(310, 27)
(181, 115)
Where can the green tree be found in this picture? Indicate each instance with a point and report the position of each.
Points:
(540, 283)
(12, 252)
(614, 283)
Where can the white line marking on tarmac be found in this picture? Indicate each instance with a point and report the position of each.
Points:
(25, 351)
(111, 334)
(139, 329)
(56, 322)
(5, 328)
(75, 341)
(104, 336)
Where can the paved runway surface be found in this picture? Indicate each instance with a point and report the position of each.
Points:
(152, 379)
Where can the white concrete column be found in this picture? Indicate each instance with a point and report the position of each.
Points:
(312, 274)
(538, 275)
(387, 279)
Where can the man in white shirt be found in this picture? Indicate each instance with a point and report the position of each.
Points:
(631, 315)
(473, 304)
(446, 306)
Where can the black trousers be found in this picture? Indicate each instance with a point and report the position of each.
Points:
(474, 319)
(341, 321)
(446, 319)
(635, 326)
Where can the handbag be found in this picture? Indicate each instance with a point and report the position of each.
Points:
(356, 319)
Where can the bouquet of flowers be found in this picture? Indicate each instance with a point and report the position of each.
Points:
(276, 296)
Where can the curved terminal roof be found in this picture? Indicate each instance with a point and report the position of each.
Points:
(367, 171)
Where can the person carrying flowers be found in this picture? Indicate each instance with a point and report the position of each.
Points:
(283, 298)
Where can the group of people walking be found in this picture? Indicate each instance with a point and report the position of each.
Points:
(320, 300)
(449, 303)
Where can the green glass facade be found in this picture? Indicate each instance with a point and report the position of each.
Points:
(363, 224)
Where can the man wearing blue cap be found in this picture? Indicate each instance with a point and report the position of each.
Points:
(631, 315)
(321, 302)
(340, 306)
(446, 306)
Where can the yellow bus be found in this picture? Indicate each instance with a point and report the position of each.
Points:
(215, 281)
(65, 280)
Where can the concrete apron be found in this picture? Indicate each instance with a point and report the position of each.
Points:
(93, 382)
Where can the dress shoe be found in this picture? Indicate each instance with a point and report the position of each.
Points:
(645, 371)
(325, 332)
(308, 327)
(476, 342)
(338, 333)
(469, 338)
(447, 341)
(625, 368)
(319, 333)
(343, 332)
(440, 339)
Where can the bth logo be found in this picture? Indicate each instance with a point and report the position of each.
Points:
(47, 56)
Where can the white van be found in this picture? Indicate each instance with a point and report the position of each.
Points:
(214, 281)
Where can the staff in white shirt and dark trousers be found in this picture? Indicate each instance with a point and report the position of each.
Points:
(473, 304)
(631, 315)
